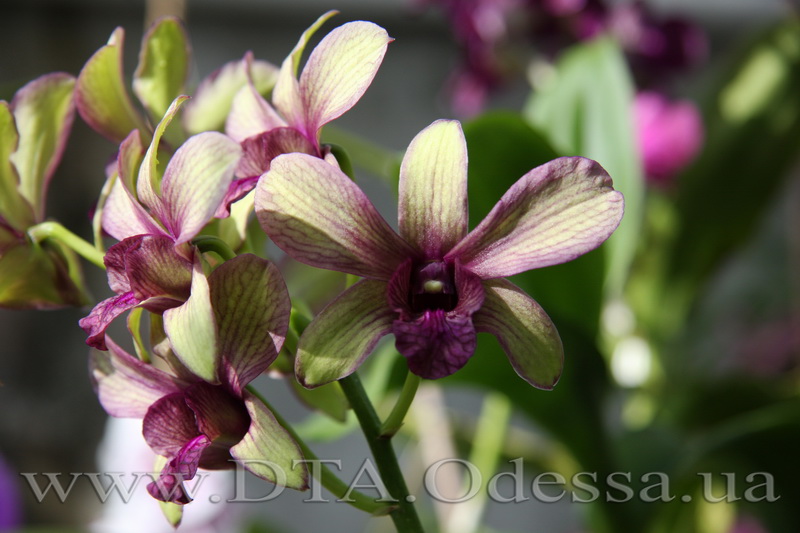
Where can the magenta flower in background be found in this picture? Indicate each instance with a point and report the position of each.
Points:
(434, 286)
(669, 134)
(10, 502)
(200, 415)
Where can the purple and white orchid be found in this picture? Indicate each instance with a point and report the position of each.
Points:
(231, 329)
(154, 219)
(338, 72)
(434, 286)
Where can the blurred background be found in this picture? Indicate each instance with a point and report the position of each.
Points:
(689, 365)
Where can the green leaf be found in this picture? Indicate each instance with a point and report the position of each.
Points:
(752, 140)
(163, 66)
(102, 99)
(585, 109)
(43, 111)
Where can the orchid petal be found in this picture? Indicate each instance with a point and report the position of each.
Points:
(237, 190)
(123, 216)
(553, 214)
(98, 320)
(212, 101)
(286, 94)
(169, 424)
(324, 353)
(317, 215)
(195, 183)
(100, 95)
(125, 385)
(43, 112)
(182, 467)
(432, 209)
(251, 114)
(260, 150)
(155, 269)
(14, 208)
(268, 450)
(222, 417)
(435, 344)
(192, 331)
(148, 182)
(251, 306)
(524, 330)
(163, 66)
(339, 71)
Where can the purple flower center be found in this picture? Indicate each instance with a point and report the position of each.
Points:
(432, 287)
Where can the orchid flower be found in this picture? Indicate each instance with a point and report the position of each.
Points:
(151, 266)
(34, 129)
(434, 286)
(231, 329)
(336, 75)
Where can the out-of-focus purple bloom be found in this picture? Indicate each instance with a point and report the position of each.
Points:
(747, 524)
(10, 503)
(669, 134)
(434, 285)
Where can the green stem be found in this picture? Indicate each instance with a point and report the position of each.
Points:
(57, 232)
(395, 419)
(210, 243)
(329, 480)
(404, 515)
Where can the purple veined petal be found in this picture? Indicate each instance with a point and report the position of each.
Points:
(169, 424)
(238, 189)
(435, 344)
(251, 306)
(148, 182)
(220, 416)
(432, 210)
(286, 94)
(553, 214)
(192, 330)
(524, 330)
(43, 112)
(317, 215)
(155, 269)
(338, 340)
(181, 467)
(251, 114)
(268, 450)
(123, 216)
(260, 150)
(125, 385)
(195, 183)
(116, 269)
(98, 320)
(101, 97)
(339, 71)
(209, 108)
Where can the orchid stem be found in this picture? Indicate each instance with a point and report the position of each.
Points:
(395, 419)
(57, 232)
(329, 480)
(210, 243)
(405, 514)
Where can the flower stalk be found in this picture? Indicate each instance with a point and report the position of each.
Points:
(57, 232)
(405, 515)
(394, 421)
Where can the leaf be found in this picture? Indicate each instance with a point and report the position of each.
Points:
(586, 110)
(752, 140)
(163, 66)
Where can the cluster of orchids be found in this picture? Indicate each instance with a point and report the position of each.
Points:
(196, 185)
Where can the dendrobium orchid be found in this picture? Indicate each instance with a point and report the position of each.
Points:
(336, 75)
(34, 128)
(434, 286)
(154, 220)
(236, 327)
